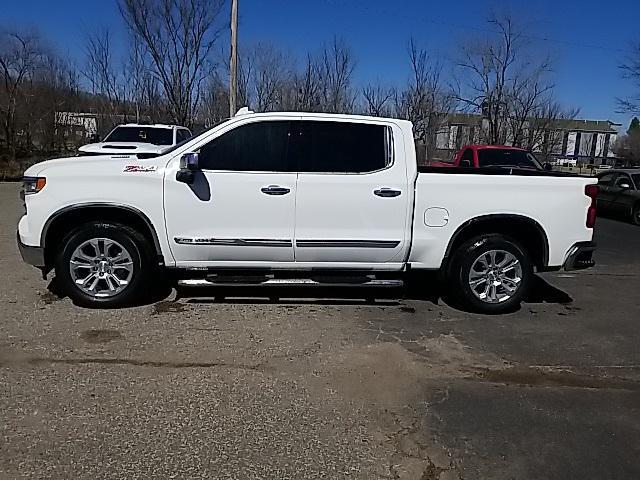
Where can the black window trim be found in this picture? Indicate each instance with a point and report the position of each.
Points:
(390, 151)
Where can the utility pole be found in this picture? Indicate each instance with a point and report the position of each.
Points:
(233, 80)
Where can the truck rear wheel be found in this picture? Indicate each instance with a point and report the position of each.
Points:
(103, 265)
(490, 274)
(635, 214)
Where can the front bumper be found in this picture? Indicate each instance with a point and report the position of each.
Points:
(31, 255)
(580, 256)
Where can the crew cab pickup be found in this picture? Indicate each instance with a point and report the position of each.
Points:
(281, 197)
(493, 156)
(136, 139)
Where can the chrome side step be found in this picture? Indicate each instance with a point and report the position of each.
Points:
(289, 282)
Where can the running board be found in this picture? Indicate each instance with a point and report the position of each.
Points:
(289, 282)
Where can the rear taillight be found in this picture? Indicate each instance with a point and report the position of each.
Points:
(591, 191)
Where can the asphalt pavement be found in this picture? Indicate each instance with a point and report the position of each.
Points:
(330, 387)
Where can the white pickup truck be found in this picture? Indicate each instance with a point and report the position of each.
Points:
(137, 139)
(286, 197)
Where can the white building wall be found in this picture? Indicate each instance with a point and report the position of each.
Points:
(571, 144)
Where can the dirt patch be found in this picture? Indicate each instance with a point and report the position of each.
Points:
(49, 297)
(100, 336)
(168, 306)
(528, 376)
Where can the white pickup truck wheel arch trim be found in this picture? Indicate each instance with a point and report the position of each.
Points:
(127, 208)
(504, 217)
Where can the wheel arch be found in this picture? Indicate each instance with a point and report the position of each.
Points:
(63, 220)
(521, 228)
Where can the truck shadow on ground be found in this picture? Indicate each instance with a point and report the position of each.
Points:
(427, 288)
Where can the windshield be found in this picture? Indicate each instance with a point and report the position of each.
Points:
(495, 157)
(156, 136)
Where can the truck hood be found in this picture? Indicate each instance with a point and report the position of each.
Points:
(121, 148)
(88, 164)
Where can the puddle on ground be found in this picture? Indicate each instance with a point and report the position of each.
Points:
(524, 376)
(100, 336)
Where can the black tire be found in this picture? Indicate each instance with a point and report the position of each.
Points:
(635, 214)
(137, 246)
(464, 259)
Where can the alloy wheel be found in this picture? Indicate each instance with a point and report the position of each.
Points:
(495, 276)
(101, 267)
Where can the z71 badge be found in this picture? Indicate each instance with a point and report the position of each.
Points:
(140, 168)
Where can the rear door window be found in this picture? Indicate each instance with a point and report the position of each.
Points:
(494, 157)
(341, 147)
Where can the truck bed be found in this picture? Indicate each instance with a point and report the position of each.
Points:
(495, 171)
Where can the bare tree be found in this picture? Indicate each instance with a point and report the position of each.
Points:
(543, 132)
(143, 86)
(426, 100)
(21, 54)
(501, 78)
(214, 106)
(306, 88)
(631, 71)
(55, 87)
(178, 35)
(627, 147)
(335, 69)
(103, 73)
(378, 100)
(271, 74)
(245, 72)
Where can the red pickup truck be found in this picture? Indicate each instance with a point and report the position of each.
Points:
(479, 156)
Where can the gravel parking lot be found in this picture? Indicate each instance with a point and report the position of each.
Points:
(248, 388)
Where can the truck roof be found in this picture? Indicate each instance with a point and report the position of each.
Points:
(338, 116)
(493, 147)
(152, 125)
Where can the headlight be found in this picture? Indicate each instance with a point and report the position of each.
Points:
(33, 185)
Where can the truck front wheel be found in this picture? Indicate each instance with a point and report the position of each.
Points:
(490, 274)
(103, 265)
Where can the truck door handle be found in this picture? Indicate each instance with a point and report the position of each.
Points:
(275, 190)
(387, 192)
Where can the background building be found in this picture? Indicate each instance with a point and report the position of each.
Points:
(571, 142)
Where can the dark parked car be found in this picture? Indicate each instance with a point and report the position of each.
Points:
(620, 193)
